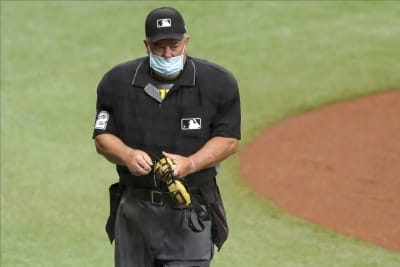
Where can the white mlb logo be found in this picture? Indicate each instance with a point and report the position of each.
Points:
(163, 23)
(191, 124)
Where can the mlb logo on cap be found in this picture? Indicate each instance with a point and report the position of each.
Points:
(162, 23)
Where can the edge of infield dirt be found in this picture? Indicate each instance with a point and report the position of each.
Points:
(338, 167)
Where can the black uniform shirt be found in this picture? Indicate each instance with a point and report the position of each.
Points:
(202, 103)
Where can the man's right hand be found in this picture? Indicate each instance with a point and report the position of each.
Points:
(138, 162)
(112, 148)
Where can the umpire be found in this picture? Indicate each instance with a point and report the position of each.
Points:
(166, 104)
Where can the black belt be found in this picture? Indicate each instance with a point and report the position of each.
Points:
(160, 198)
(157, 198)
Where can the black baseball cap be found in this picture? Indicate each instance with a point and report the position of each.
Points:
(164, 23)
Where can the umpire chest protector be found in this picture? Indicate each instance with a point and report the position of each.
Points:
(202, 103)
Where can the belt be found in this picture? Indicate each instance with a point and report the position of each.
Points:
(160, 198)
(157, 198)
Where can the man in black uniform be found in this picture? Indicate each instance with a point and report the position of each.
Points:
(166, 105)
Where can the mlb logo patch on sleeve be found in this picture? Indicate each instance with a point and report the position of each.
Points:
(191, 123)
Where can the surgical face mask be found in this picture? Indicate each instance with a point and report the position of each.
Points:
(166, 67)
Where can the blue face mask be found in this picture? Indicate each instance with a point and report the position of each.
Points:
(166, 67)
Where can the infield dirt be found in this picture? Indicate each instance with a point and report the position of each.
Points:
(338, 167)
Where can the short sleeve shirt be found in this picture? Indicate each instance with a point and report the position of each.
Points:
(178, 118)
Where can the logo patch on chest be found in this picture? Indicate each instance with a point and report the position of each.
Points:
(191, 123)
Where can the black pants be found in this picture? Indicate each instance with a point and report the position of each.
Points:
(147, 235)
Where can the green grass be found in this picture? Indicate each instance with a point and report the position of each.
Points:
(288, 57)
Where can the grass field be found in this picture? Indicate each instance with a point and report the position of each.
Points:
(288, 57)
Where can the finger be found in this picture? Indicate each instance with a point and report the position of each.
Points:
(147, 158)
(175, 158)
(143, 161)
(142, 170)
(144, 166)
(165, 154)
(169, 155)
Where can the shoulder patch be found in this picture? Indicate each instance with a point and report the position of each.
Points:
(102, 120)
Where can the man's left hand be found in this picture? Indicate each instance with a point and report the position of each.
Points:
(183, 165)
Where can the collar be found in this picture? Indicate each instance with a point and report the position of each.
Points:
(142, 76)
